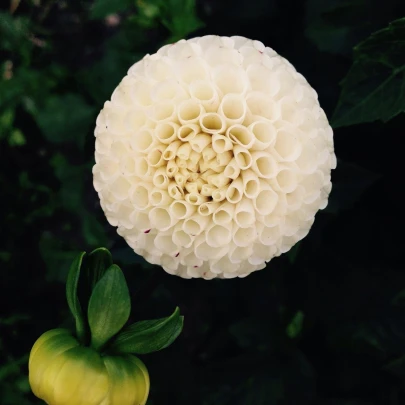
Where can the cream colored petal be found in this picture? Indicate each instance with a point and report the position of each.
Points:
(189, 111)
(235, 191)
(181, 209)
(221, 144)
(233, 108)
(187, 132)
(161, 218)
(206, 94)
(212, 123)
(166, 132)
(224, 214)
(199, 142)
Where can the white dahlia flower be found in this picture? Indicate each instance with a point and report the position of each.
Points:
(212, 157)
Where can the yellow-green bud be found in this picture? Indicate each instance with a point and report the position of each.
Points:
(62, 372)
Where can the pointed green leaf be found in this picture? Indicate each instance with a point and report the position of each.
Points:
(93, 269)
(374, 88)
(72, 298)
(99, 260)
(109, 307)
(149, 336)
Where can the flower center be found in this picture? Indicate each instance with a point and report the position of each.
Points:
(196, 169)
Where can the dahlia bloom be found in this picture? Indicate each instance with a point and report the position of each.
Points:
(212, 157)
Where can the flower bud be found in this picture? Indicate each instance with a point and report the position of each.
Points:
(62, 372)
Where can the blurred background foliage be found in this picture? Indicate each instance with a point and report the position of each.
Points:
(323, 324)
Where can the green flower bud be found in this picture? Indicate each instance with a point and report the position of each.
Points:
(62, 372)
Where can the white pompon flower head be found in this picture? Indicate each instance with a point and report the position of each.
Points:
(212, 157)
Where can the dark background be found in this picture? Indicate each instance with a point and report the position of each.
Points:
(321, 325)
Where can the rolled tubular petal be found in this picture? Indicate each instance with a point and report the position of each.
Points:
(171, 151)
(204, 91)
(243, 157)
(165, 111)
(219, 194)
(181, 209)
(221, 144)
(160, 178)
(166, 132)
(143, 140)
(232, 170)
(218, 235)
(245, 213)
(195, 224)
(161, 218)
(213, 156)
(155, 157)
(182, 238)
(233, 108)
(264, 134)
(251, 184)
(189, 111)
(287, 146)
(199, 142)
(224, 214)
(264, 165)
(235, 191)
(187, 132)
(240, 135)
(168, 90)
(212, 123)
(265, 200)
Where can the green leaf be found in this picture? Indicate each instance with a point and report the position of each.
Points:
(149, 336)
(65, 118)
(109, 307)
(93, 269)
(180, 18)
(374, 88)
(294, 328)
(103, 8)
(98, 261)
(72, 298)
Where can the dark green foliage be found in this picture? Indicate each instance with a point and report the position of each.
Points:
(149, 336)
(375, 85)
(109, 307)
(322, 325)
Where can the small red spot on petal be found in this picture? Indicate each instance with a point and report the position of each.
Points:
(195, 267)
(177, 255)
(204, 274)
(147, 231)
